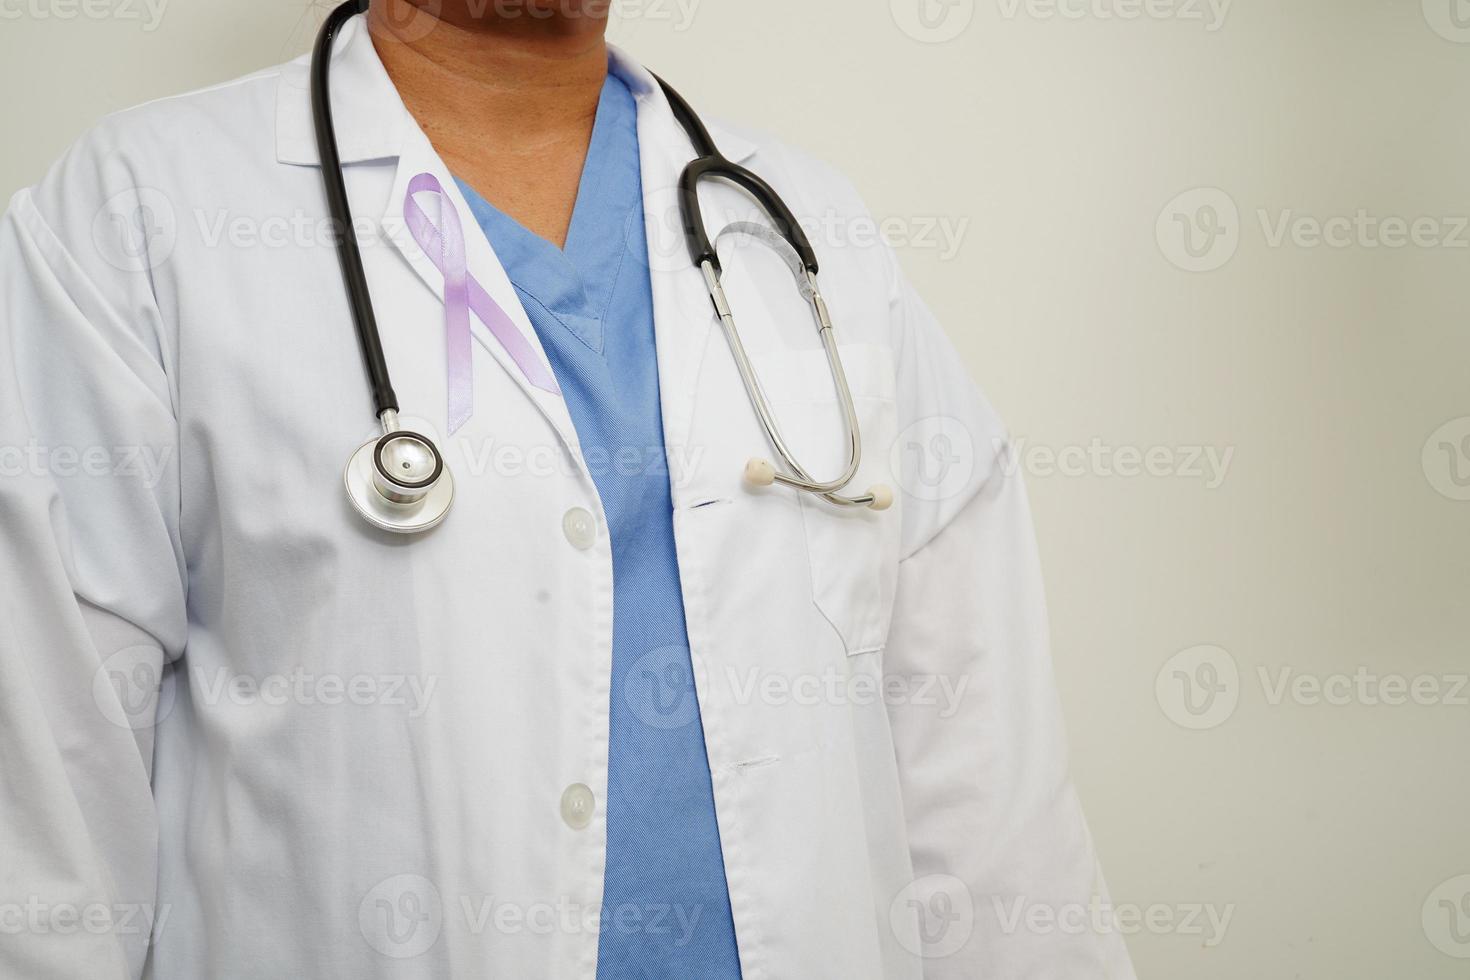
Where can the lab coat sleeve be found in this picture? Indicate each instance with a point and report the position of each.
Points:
(1006, 882)
(91, 595)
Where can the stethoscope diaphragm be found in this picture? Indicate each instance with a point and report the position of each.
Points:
(398, 482)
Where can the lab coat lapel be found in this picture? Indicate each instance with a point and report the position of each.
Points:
(683, 318)
(416, 157)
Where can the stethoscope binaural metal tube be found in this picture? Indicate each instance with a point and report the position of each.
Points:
(760, 472)
(791, 241)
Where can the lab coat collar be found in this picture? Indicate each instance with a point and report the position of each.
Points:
(370, 117)
(371, 120)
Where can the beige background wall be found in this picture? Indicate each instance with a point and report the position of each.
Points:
(1299, 519)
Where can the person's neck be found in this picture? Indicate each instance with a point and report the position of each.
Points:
(507, 101)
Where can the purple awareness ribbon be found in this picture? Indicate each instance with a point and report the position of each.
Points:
(462, 294)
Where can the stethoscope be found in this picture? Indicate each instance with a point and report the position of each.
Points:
(399, 482)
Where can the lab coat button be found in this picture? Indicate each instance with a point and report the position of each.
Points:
(577, 804)
(580, 527)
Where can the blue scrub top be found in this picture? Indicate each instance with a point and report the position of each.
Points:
(666, 906)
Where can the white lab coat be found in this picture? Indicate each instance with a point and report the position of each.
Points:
(355, 761)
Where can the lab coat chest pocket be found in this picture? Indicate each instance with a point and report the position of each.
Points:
(852, 550)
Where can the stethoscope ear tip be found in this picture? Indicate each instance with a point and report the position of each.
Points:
(759, 472)
(762, 473)
(882, 495)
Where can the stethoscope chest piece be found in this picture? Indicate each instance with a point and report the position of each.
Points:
(398, 482)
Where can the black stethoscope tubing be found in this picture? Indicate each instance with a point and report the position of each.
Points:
(353, 275)
(396, 502)
(709, 163)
